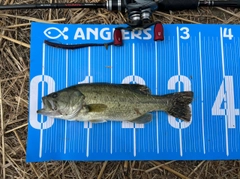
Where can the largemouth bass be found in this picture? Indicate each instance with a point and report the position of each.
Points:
(101, 102)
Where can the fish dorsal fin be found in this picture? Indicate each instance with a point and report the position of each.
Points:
(142, 119)
(143, 89)
(96, 107)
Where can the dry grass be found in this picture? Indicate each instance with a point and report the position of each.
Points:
(14, 80)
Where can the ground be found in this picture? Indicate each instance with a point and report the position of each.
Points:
(14, 81)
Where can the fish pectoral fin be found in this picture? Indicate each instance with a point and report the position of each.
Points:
(97, 107)
(97, 121)
(142, 119)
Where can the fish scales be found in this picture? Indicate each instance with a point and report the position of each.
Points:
(122, 104)
(101, 102)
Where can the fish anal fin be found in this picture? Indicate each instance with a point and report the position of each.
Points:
(142, 119)
(97, 107)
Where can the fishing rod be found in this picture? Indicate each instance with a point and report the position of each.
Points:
(139, 14)
(139, 11)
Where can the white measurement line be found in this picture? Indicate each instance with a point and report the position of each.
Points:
(111, 64)
(201, 76)
(179, 87)
(178, 57)
(111, 137)
(43, 73)
(134, 129)
(222, 52)
(65, 129)
(89, 76)
(88, 133)
(156, 66)
(225, 100)
(134, 141)
(133, 56)
(89, 62)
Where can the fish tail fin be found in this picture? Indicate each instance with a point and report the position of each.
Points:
(179, 105)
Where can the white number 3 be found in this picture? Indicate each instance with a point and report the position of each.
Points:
(185, 31)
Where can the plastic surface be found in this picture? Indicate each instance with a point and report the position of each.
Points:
(201, 58)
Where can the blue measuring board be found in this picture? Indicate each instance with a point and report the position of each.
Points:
(201, 58)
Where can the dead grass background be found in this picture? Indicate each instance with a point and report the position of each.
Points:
(14, 81)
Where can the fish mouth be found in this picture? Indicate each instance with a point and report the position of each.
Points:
(47, 108)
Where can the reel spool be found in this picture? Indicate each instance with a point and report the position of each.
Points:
(139, 11)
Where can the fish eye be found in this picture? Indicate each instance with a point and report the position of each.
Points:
(54, 95)
(54, 108)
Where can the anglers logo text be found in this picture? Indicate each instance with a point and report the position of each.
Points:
(95, 33)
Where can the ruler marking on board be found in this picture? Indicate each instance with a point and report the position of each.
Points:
(51, 138)
(156, 66)
(225, 100)
(134, 142)
(179, 73)
(221, 57)
(88, 133)
(65, 129)
(88, 123)
(134, 126)
(44, 144)
(111, 135)
(202, 103)
(89, 62)
(43, 73)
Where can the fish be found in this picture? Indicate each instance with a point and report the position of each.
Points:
(102, 102)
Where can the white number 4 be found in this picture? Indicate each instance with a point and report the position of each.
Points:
(227, 33)
(226, 95)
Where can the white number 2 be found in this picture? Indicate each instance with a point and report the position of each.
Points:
(185, 31)
(226, 95)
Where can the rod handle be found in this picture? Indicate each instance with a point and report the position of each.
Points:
(231, 3)
(175, 5)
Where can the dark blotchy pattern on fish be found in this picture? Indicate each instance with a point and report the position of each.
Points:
(99, 102)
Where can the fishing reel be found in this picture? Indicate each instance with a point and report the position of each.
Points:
(139, 11)
(139, 15)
